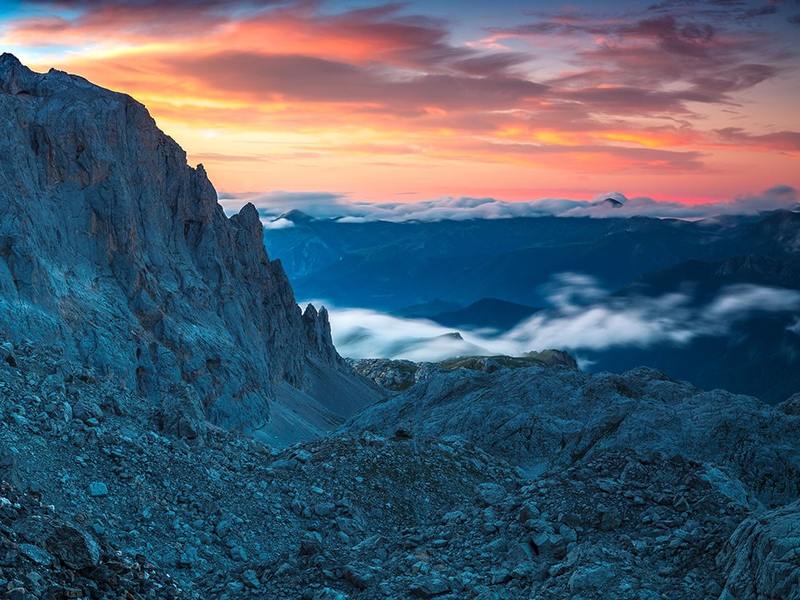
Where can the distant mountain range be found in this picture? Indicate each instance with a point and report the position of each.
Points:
(491, 313)
(495, 274)
(390, 266)
(759, 356)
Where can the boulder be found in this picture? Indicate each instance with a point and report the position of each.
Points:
(762, 557)
(74, 547)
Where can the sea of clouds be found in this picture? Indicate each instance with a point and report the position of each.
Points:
(581, 315)
(324, 205)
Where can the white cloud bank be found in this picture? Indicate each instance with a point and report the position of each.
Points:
(327, 205)
(583, 316)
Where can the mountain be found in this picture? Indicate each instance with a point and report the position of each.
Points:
(511, 259)
(491, 313)
(112, 244)
(757, 356)
(545, 417)
(689, 494)
(613, 455)
(426, 309)
(136, 319)
(295, 216)
(706, 278)
(501, 269)
(610, 203)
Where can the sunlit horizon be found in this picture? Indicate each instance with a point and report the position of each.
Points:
(678, 101)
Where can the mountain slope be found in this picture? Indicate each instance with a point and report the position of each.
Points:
(464, 261)
(115, 509)
(112, 244)
(492, 313)
(757, 356)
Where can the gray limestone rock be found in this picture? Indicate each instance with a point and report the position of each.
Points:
(74, 547)
(762, 557)
(542, 418)
(111, 243)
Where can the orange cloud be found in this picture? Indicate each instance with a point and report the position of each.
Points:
(294, 93)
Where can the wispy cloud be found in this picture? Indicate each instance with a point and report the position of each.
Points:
(329, 205)
(551, 103)
(582, 317)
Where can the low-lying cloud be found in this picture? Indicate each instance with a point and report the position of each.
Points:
(325, 205)
(582, 317)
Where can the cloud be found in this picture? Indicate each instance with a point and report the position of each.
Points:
(326, 205)
(582, 316)
(742, 299)
(619, 96)
(492, 64)
(780, 197)
(788, 141)
(314, 79)
(91, 20)
(795, 327)
(659, 60)
(279, 224)
(384, 33)
(363, 333)
(632, 156)
(273, 204)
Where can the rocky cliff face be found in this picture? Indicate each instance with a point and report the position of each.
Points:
(761, 557)
(112, 244)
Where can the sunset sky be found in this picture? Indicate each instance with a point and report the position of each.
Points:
(677, 100)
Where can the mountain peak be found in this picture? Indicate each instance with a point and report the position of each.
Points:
(248, 215)
(610, 200)
(14, 75)
(188, 305)
(6, 58)
(452, 335)
(296, 216)
(613, 202)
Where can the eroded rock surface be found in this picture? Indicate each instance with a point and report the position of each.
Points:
(762, 558)
(542, 418)
(353, 515)
(112, 244)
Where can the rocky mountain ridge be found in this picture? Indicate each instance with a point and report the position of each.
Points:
(544, 416)
(110, 242)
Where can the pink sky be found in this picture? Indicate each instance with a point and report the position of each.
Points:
(685, 101)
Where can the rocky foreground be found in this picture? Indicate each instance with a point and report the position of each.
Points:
(101, 499)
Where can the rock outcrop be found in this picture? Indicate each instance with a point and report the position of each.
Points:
(113, 508)
(762, 557)
(545, 417)
(112, 244)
